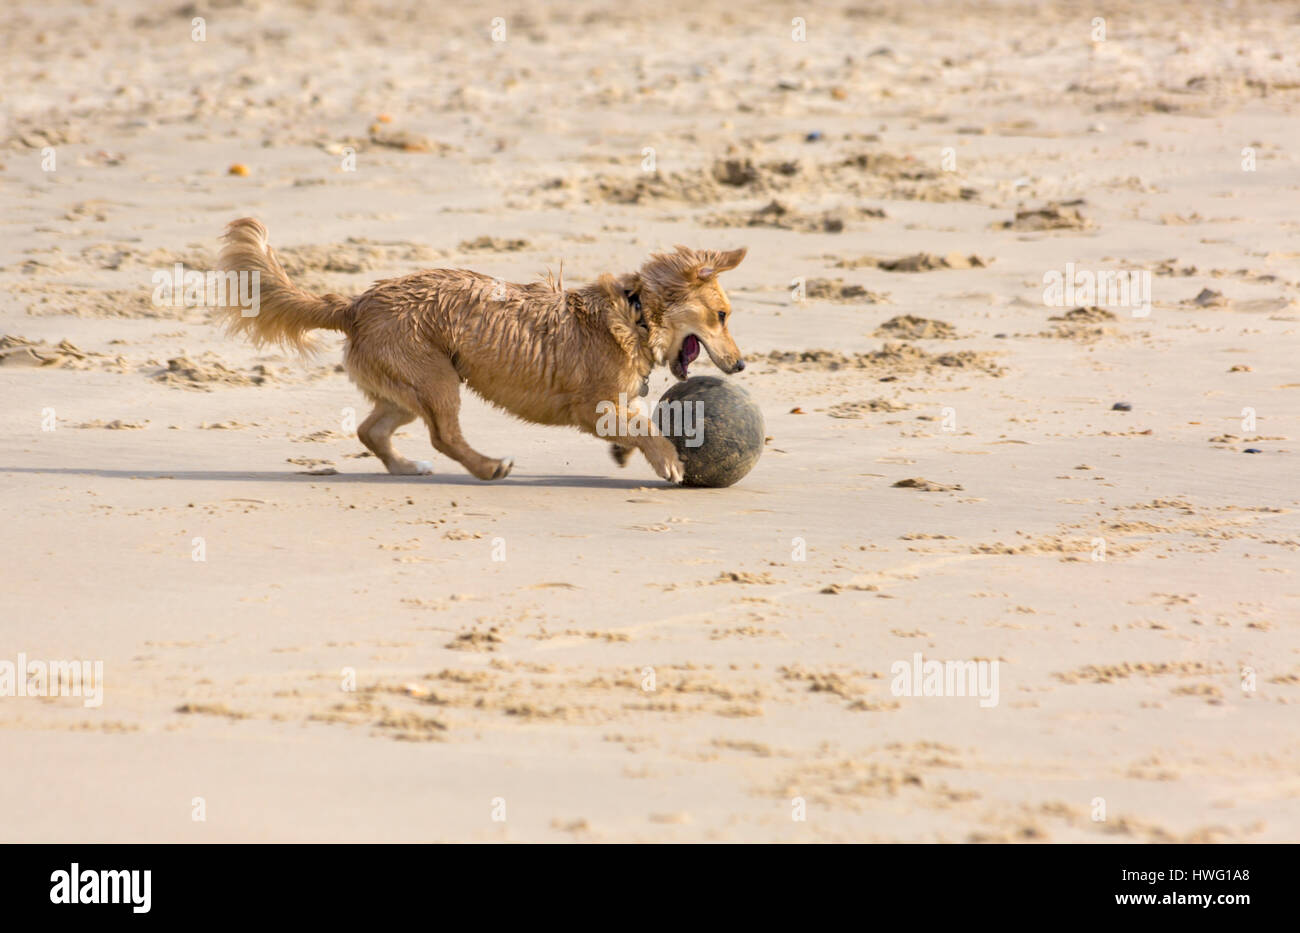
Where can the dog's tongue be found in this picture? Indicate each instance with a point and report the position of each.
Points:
(690, 350)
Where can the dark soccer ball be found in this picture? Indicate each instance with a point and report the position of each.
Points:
(715, 426)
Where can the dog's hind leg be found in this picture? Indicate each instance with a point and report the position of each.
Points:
(376, 432)
(620, 453)
(439, 395)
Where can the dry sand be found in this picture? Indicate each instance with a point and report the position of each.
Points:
(944, 446)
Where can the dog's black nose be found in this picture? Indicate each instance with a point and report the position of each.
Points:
(740, 364)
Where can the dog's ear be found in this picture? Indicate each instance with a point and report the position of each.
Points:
(720, 262)
(730, 259)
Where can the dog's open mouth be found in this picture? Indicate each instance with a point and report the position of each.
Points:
(686, 355)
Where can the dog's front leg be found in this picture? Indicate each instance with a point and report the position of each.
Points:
(662, 455)
(627, 427)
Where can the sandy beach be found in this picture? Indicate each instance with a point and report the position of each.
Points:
(1092, 494)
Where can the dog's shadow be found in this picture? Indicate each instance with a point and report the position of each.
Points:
(448, 478)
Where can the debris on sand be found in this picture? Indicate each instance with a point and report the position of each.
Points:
(1057, 215)
(726, 178)
(918, 262)
(925, 485)
(840, 291)
(115, 425)
(1093, 315)
(1171, 267)
(1108, 673)
(208, 371)
(1208, 298)
(924, 262)
(891, 360)
(884, 175)
(1082, 324)
(908, 327)
(21, 352)
(354, 255)
(853, 410)
(38, 137)
(477, 640)
(405, 141)
(493, 243)
(743, 173)
(733, 576)
(784, 217)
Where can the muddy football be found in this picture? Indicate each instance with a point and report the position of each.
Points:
(715, 426)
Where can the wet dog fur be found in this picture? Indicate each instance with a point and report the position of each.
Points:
(543, 353)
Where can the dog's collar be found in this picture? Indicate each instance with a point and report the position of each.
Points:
(635, 301)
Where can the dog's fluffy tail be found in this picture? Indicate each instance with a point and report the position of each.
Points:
(284, 313)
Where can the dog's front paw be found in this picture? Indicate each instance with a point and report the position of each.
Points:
(666, 463)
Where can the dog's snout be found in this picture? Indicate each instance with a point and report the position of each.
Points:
(740, 364)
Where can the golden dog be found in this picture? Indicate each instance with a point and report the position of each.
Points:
(543, 353)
